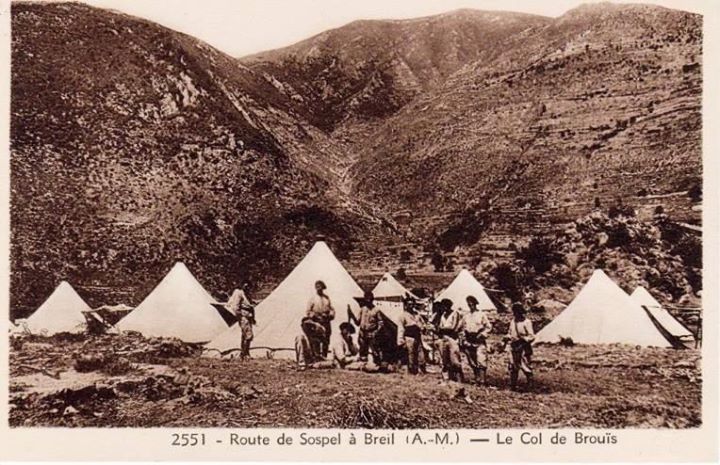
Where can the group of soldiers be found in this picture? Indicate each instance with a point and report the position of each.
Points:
(421, 334)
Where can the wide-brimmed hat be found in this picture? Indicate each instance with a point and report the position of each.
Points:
(347, 326)
(517, 307)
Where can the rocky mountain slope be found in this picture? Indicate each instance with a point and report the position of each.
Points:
(602, 103)
(134, 146)
(370, 69)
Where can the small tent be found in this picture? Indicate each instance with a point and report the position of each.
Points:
(278, 316)
(389, 288)
(178, 307)
(463, 286)
(61, 312)
(668, 322)
(602, 313)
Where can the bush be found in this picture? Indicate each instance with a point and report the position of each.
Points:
(689, 248)
(507, 280)
(438, 261)
(621, 210)
(400, 273)
(540, 255)
(695, 192)
(619, 236)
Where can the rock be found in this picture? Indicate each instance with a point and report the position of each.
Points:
(70, 410)
(601, 239)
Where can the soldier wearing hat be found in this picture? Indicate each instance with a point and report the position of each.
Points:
(321, 311)
(476, 328)
(520, 336)
(409, 335)
(449, 327)
(369, 324)
(240, 305)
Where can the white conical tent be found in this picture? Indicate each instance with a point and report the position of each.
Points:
(178, 307)
(642, 297)
(61, 312)
(463, 286)
(389, 287)
(278, 316)
(602, 313)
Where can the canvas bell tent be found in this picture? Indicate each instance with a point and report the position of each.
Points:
(61, 312)
(178, 307)
(389, 288)
(463, 286)
(602, 313)
(668, 322)
(278, 316)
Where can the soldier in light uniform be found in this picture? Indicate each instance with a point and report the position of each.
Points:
(448, 329)
(321, 311)
(476, 328)
(241, 306)
(409, 335)
(520, 336)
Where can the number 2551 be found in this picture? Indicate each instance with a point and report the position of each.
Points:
(188, 439)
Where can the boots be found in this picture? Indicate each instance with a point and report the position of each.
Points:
(513, 380)
(481, 377)
(529, 381)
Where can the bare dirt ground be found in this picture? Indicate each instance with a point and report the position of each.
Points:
(121, 381)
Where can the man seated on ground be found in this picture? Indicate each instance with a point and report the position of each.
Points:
(344, 351)
(308, 345)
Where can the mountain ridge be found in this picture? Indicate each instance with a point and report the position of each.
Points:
(133, 146)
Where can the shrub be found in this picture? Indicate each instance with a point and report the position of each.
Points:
(618, 236)
(507, 280)
(621, 210)
(438, 261)
(540, 255)
(695, 192)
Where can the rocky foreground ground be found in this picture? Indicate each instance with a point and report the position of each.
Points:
(126, 381)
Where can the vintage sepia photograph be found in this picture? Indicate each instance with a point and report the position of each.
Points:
(382, 216)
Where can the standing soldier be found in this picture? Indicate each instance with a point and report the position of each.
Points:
(370, 323)
(449, 326)
(476, 328)
(320, 310)
(520, 335)
(409, 335)
(241, 306)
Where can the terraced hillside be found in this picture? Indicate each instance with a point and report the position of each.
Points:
(601, 103)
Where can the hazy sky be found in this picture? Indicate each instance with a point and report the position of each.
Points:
(242, 27)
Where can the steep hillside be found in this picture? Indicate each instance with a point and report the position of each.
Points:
(601, 103)
(134, 146)
(370, 69)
